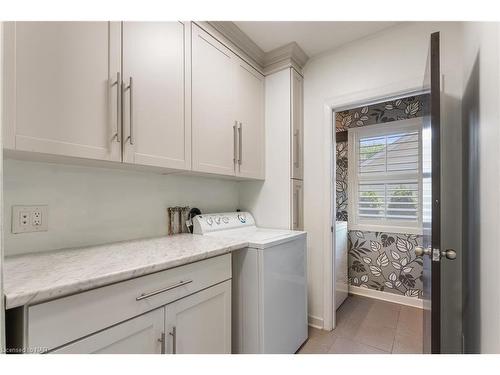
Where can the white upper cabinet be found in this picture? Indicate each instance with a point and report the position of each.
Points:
(228, 111)
(59, 97)
(249, 106)
(297, 98)
(156, 112)
(160, 94)
(213, 105)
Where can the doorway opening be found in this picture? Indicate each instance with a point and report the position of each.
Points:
(377, 206)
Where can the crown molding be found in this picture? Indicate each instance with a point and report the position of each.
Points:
(241, 40)
(289, 55)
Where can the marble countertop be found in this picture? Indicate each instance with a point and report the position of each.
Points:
(34, 278)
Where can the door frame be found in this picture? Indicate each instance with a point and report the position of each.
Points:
(410, 86)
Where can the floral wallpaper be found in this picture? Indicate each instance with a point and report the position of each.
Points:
(341, 181)
(386, 262)
(393, 110)
(379, 260)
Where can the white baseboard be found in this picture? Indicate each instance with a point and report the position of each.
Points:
(389, 297)
(315, 322)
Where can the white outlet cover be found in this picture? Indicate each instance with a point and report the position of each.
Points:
(26, 219)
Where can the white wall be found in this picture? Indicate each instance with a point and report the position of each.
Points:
(92, 205)
(2, 321)
(389, 62)
(269, 200)
(481, 56)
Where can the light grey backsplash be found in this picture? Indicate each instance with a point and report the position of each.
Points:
(89, 206)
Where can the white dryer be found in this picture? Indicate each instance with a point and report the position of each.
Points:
(269, 284)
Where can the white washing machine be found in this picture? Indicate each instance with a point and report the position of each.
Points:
(269, 284)
(341, 263)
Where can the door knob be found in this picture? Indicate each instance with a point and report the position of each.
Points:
(419, 251)
(449, 254)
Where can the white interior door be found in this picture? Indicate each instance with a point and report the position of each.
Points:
(140, 335)
(59, 79)
(213, 105)
(156, 128)
(200, 323)
(249, 101)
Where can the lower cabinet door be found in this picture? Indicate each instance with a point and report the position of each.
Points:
(141, 335)
(200, 323)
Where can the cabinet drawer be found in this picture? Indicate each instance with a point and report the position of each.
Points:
(54, 323)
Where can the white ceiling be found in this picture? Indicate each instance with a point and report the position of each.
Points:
(312, 37)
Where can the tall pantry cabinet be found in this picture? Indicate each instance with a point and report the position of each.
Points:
(278, 201)
(296, 149)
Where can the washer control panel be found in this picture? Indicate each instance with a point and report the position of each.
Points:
(206, 223)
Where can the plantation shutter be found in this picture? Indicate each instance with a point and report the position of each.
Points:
(388, 175)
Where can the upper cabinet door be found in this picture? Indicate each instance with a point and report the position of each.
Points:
(213, 105)
(156, 108)
(249, 101)
(297, 99)
(61, 95)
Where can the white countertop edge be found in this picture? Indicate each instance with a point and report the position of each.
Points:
(48, 282)
(44, 294)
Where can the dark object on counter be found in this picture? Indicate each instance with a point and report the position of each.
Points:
(192, 213)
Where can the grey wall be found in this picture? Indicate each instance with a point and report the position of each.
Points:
(89, 205)
(481, 125)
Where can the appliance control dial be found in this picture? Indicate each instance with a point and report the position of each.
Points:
(210, 220)
(242, 218)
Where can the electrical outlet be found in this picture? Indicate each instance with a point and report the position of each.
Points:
(27, 219)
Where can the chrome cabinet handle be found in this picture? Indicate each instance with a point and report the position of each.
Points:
(240, 141)
(166, 289)
(118, 82)
(130, 87)
(297, 149)
(235, 143)
(162, 341)
(174, 340)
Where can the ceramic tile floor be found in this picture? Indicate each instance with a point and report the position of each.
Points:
(369, 326)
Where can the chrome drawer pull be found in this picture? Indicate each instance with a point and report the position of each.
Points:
(147, 295)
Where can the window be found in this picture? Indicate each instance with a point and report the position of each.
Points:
(385, 178)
